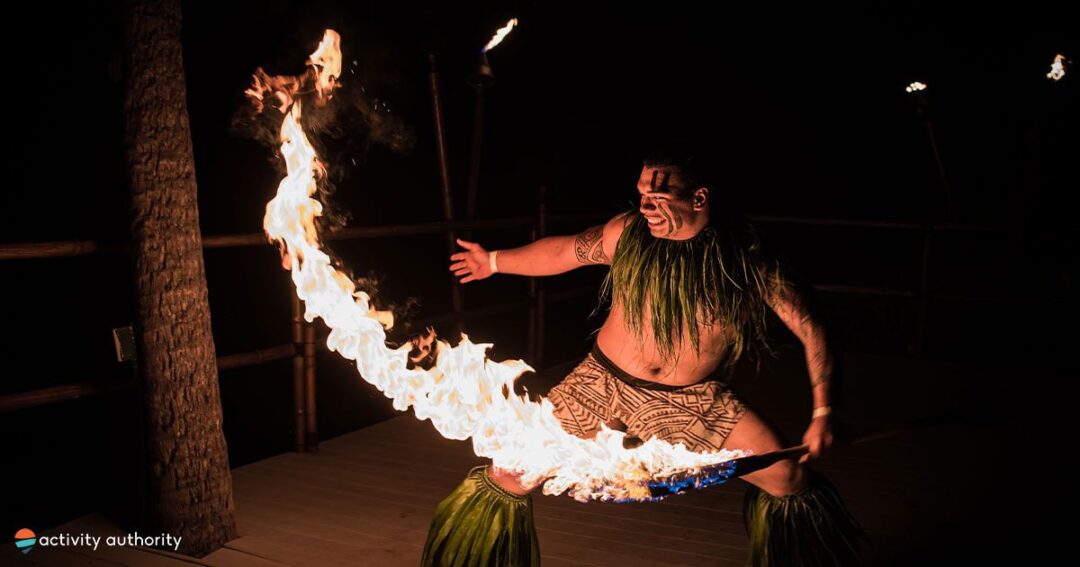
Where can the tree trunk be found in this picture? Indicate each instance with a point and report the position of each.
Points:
(189, 487)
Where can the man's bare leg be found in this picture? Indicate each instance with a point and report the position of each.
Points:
(753, 434)
(512, 482)
(790, 510)
(508, 481)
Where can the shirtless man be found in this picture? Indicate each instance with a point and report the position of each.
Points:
(687, 298)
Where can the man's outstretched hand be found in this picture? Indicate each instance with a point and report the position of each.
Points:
(474, 263)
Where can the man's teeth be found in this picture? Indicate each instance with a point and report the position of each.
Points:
(653, 221)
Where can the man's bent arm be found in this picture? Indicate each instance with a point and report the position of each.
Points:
(790, 307)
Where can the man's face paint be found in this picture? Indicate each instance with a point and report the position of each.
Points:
(666, 203)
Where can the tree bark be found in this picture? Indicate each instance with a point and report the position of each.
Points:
(189, 486)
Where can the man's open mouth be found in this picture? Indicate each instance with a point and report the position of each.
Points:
(654, 221)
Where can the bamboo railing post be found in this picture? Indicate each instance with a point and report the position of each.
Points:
(456, 298)
(541, 228)
(534, 319)
(299, 420)
(473, 188)
(536, 291)
(303, 357)
(311, 413)
(923, 296)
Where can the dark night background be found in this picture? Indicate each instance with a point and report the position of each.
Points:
(806, 104)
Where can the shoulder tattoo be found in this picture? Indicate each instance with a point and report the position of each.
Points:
(589, 246)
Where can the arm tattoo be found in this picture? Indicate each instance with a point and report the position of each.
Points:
(589, 246)
(793, 309)
(822, 362)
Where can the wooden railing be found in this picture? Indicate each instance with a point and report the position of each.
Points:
(303, 347)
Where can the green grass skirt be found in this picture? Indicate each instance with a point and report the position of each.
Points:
(808, 528)
(481, 524)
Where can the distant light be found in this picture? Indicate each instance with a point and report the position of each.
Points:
(1057, 68)
(916, 86)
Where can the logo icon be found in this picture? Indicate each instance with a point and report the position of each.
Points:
(25, 540)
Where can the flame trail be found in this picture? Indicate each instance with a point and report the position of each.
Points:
(465, 395)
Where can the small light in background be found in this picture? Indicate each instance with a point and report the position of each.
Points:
(915, 87)
(1057, 68)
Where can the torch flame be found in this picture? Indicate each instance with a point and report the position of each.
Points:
(324, 69)
(326, 60)
(1057, 68)
(464, 394)
(500, 34)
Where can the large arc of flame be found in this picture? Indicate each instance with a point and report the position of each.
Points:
(465, 395)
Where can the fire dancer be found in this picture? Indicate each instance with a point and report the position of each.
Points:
(689, 289)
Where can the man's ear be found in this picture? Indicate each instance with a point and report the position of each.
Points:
(700, 198)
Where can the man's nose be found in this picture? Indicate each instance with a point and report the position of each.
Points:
(647, 204)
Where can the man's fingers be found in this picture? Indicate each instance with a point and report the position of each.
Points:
(462, 272)
(466, 244)
(458, 266)
(468, 279)
(457, 256)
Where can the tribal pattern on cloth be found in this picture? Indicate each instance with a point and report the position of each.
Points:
(701, 415)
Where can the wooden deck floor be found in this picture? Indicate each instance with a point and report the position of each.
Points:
(366, 499)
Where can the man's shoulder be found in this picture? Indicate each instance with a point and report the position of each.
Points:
(613, 231)
(615, 227)
(621, 220)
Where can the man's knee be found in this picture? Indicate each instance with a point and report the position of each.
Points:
(781, 479)
(508, 481)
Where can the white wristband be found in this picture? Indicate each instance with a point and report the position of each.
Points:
(491, 261)
(822, 411)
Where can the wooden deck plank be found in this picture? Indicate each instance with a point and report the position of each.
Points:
(53, 557)
(104, 555)
(402, 522)
(226, 557)
(367, 498)
(133, 557)
(303, 550)
(363, 476)
(391, 482)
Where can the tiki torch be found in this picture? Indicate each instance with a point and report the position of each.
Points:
(917, 91)
(482, 78)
